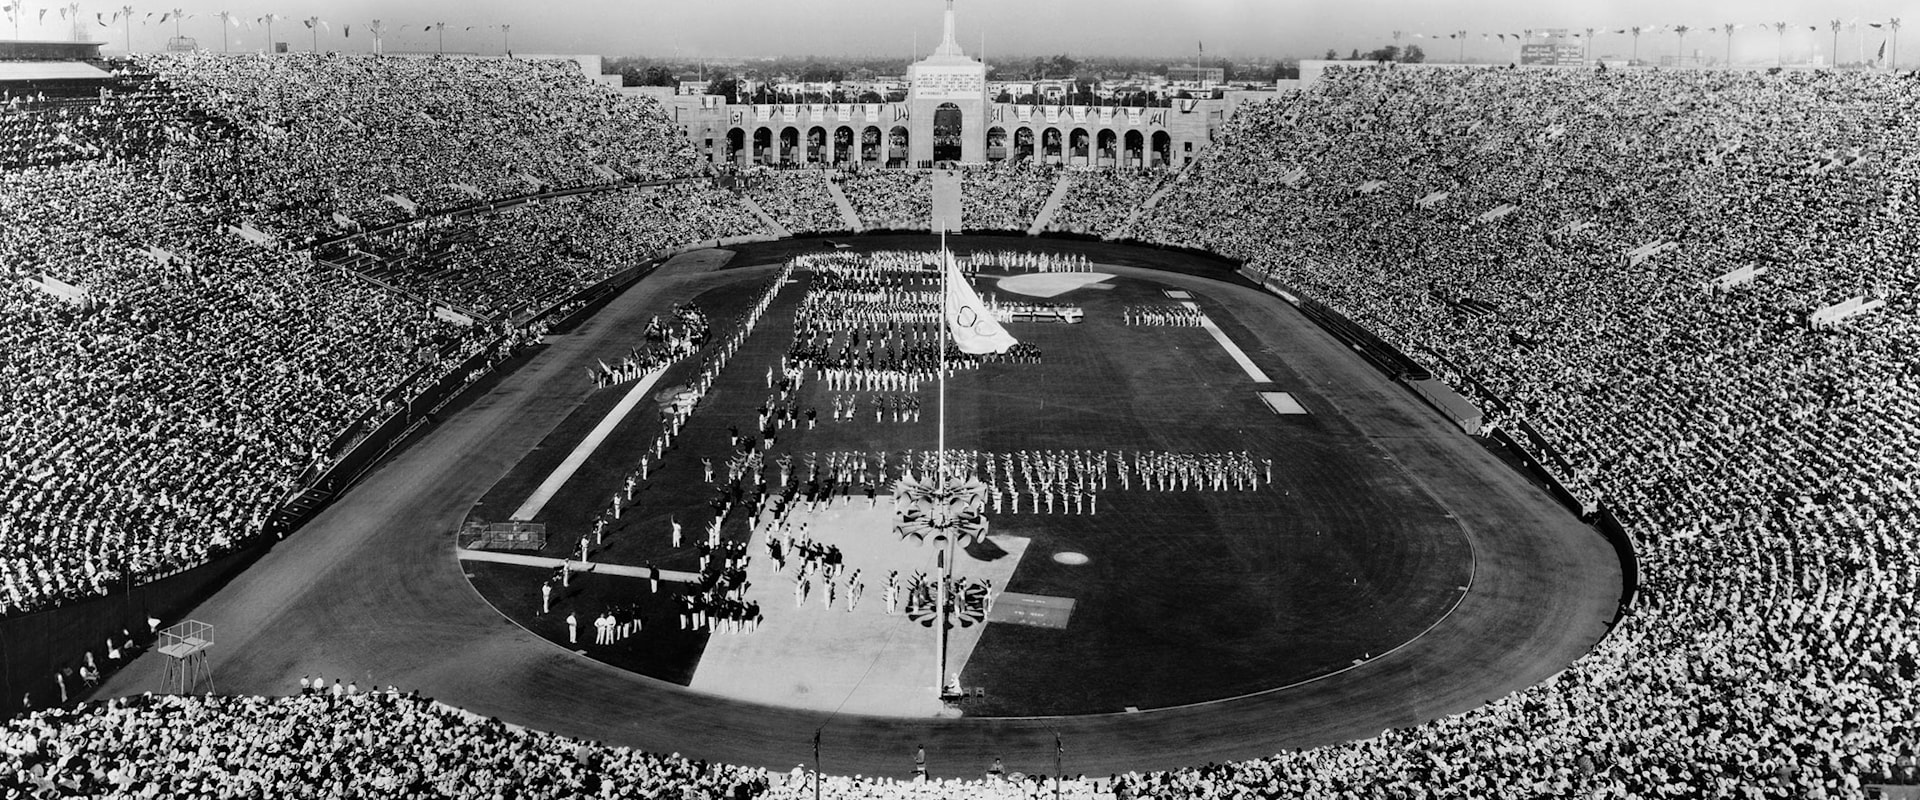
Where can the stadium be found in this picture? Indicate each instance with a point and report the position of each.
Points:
(462, 426)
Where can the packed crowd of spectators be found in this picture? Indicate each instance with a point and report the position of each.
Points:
(375, 744)
(891, 199)
(1763, 469)
(127, 116)
(1004, 196)
(798, 199)
(799, 785)
(174, 367)
(156, 414)
(335, 133)
(513, 260)
(1098, 202)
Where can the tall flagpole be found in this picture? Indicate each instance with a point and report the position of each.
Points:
(946, 262)
(940, 461)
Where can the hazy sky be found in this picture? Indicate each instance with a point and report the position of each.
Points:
(1231, 28)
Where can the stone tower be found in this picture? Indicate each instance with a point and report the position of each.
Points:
(948, 77)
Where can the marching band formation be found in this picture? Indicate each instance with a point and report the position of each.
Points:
(1164, 315)
(869, 331)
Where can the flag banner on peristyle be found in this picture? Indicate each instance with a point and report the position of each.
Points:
(975, 331)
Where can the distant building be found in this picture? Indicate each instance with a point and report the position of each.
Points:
(948, 115)
(49, 51)
(1201, 76)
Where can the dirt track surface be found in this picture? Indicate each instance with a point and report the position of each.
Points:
(371, 591)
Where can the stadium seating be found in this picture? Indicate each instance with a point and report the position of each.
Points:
(1005, 196)
(1764, 467)
(373, 744)
(132, 115)
(509, 262)
(891, 199)
(1099, 201)
(798, 199)
(193, 375)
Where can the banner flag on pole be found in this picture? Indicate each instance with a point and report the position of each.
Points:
(975, 331)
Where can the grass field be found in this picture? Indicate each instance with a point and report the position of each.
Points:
(1185, 596)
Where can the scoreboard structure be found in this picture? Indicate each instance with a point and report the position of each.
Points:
(1552, 55)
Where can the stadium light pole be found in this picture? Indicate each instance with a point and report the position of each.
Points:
(1894, 63)
(1589, 56)
(1636, 44)
(1780, 32)
(1728, 30)
(1680, 55)
(1836, 43)
(126, 24)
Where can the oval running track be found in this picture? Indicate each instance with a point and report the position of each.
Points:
(370, 591)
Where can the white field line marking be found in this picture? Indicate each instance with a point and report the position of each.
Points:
(571, 564)
(1232, 349)
(538, 500)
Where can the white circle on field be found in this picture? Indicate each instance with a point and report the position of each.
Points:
(1070, 558)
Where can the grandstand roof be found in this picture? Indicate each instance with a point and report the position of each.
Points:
(48, 71)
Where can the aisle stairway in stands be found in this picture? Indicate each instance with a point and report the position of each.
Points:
(1153, 200)
(779, 231)
(1045, 217)
(847, 214)
(947, 202)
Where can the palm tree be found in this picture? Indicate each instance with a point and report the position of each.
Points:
(1681, 56)
(1636, 43)
(1589, 56)
(1836, 43)
(126, 15)
(1728, 29)
(1780, 28)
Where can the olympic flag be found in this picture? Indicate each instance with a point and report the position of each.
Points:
(975, 331)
